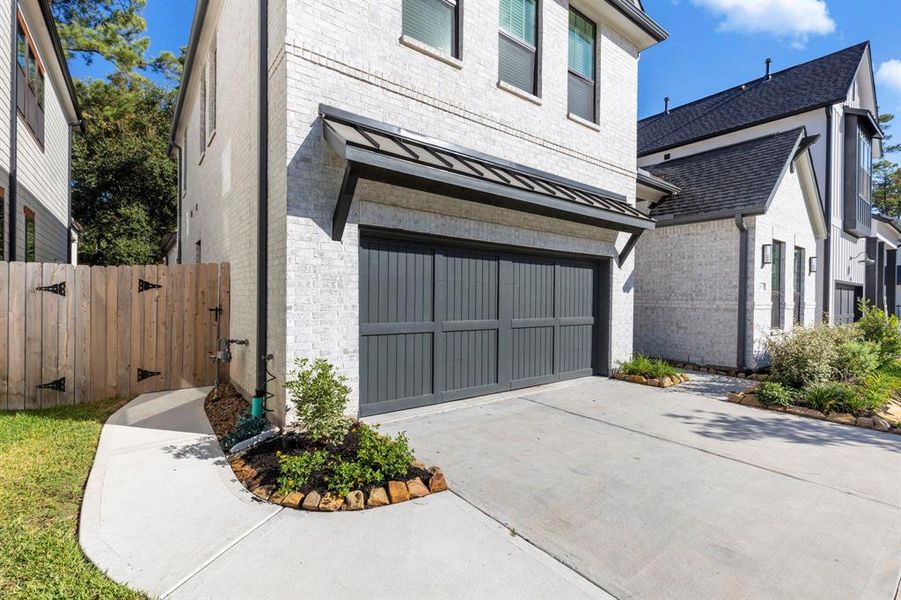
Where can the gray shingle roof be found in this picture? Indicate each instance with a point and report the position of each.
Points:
(797, 89)
(731, 179)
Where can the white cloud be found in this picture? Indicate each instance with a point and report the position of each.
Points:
(790, 20)
(889, 74)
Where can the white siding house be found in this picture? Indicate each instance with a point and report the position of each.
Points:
(35, 220)
(420, 181)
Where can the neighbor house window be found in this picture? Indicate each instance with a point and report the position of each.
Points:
(29, 82)
(434, 23)
(29, 235)
(518, 44)
(581, 66)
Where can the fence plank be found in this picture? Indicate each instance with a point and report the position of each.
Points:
(123, 320)
(211, 271)
(172, 369)
(148, 301)
(225, 316)
(162, 327)
(136, 329)
(49, 335)
(4, 332)
(67, 320)
(112, 330)
(33, 333)
(83, 334)
(190, 299)
(16, 336)
(98, 333)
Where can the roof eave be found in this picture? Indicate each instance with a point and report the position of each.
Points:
(648, 27)
(50, 22)
(196, 26)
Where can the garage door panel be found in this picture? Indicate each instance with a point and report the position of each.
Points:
(471, 359)
(533, 289)
(395, 366)
(398, 282)
(575, 290)
(533, 352)
(575, 348)
(472, 286)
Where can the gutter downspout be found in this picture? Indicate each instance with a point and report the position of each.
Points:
(827, 242)
(260, 394)
(77, 123)
(179, 187)
(13, 138)
(742, 328)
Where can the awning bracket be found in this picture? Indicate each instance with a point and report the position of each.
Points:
(345, 199)
(627, 249)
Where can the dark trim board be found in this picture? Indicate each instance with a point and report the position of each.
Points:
(446, 320)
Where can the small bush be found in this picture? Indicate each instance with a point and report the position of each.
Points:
(857, 359)
(319, 393)
(829, 397)
(383, 456)
(806, 356)
(652, 368)
(880, 328)
(771, 392)
(875, 390)
(296, 470)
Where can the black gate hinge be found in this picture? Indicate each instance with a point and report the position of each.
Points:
(144, 374)
(58, 385)
(217, 312)
(143, 286)
(56, 288)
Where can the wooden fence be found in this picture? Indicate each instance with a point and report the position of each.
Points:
(74, 334)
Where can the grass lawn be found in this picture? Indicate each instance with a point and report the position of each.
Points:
(45, 457)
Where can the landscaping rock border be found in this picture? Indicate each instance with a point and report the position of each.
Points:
(665, 382)
(740, 374)
(394, 492)
(869, 421)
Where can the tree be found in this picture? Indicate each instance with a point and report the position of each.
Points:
(123, 180)
(887, 174)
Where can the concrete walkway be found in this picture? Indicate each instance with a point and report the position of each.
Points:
(163, 514)
(676, 493)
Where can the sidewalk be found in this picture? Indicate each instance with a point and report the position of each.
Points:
(163, 514)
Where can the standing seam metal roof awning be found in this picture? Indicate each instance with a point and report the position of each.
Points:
(380, 152)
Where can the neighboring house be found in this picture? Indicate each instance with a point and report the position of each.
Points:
(831, 100)
(882, 266)
(448, 190)
(38, 99)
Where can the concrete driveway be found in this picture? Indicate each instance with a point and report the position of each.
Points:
(652, 493)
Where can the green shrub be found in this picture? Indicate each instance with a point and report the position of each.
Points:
(880, 328)
(349, 476)
(653, 368)
(857, 359)
(771, 392)
(384, 457)
(876, 389)
(805, 356)
(829, 397)
(296, 470)
(320, 395)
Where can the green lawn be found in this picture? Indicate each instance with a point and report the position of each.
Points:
(45, 457)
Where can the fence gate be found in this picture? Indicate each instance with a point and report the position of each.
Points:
(74, 334)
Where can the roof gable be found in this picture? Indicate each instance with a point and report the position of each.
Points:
(804, 87)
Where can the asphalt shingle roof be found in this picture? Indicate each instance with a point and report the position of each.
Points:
(736, 178)
(793, 90)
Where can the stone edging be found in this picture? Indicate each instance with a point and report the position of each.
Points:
(394, 493)
(875, 422)
(665, 382)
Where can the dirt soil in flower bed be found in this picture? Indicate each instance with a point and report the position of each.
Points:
(223, 406)
(258, 467)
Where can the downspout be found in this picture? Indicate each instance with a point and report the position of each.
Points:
(13, 138)
(179, 187)
(69, 225)
(742, 329)
(260, 394)
(827, 242)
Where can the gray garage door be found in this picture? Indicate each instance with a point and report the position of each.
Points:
(440, 323)
(845, 303)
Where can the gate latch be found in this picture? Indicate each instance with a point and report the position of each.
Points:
(143, 286)
(56, 288)
(57, 385)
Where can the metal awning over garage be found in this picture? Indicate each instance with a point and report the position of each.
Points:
(379, 152)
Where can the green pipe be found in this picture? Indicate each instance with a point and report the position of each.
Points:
(257, 406)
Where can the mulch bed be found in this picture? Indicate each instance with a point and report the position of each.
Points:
(223, 406)
(258, 467)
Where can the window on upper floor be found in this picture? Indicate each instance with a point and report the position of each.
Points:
(29, 82)
(434, 23)
(211, 95)
(29, 235)
(582, 86)
(858, 172)
(518, 44)
(202, 109)
(864, 165)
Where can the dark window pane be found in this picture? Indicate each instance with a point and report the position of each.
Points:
(581, 97)
(518, 20)
(21, 46)
(432, 22)
(516, 64)
(581, 45)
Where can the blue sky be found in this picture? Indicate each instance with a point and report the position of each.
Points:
(713, 44)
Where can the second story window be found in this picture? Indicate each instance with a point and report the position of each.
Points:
(581, 66)
(857, 170)
(434, 23)
(202, 109)
(518, 44)
(29, 83)
(865, 164)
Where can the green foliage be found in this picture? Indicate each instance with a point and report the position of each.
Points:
(771, 392)
(347, 476)
(385, 457)
(880, 328)
(887, 174)
(319, 393)
(876, 389)
(829, 397)
(653, 368)
(247, 427)
(805, 356)
(857, 359)
(296, 470)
